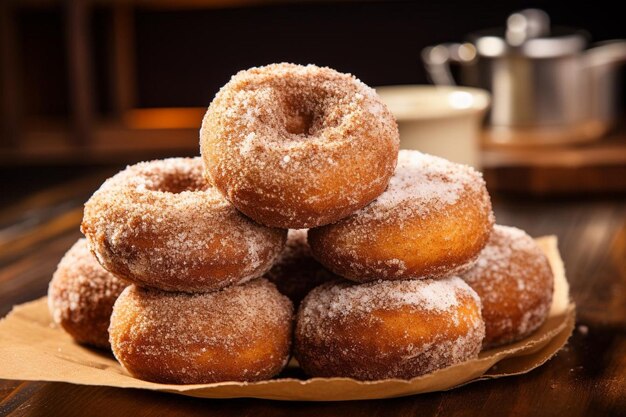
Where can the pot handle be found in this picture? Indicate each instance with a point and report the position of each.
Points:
(601, 64)
(437, 60)
(606, 54)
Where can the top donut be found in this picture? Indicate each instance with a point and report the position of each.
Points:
(296, 146)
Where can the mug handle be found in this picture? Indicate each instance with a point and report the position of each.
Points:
(437, 60)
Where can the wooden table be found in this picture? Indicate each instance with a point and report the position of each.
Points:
(588, 377)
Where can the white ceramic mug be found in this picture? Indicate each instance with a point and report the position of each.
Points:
(442, 121)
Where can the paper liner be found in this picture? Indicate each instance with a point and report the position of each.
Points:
(33, 348)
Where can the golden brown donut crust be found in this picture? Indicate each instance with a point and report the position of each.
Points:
(160, 224)
(240, 333)
(432, 221)
(514, 280)
(387, 329)
(296, 146)
(81, 296)
(296, 272)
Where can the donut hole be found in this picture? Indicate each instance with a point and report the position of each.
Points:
(302, 114)
(178, 182)
(299, 123)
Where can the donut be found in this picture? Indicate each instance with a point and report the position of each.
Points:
(387, 329)
(296, 146)
(239, 333)
(296, 272)
(514, 280)
(81, 296)
(161, 224)
(432, 221)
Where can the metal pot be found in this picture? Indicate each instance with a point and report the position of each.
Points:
(546, 86)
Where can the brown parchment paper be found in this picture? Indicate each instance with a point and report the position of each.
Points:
(32, 348)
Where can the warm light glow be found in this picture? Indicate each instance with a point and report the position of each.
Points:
(165, 118)
(439, 55)
(467, 52)
(461, 100)
(490, 46)
(517, 29)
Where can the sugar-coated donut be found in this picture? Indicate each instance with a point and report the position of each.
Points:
(296, 146)
(160, 224)
(432, 221)
(296, 272)
(81, 296)
(514, 280)
(240, 333)
(387, 329)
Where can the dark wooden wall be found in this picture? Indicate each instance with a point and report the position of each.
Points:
(183, 56)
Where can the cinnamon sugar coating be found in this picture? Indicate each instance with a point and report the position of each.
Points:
(240, 333)
(81, 296)
(296, 146)
(514, 280)
(296, 272)
(387, 329)
(161, 224)
(432, 221)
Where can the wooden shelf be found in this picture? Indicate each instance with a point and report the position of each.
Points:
(594, 167)
(606, 151)
(110, 142)
(141, 133)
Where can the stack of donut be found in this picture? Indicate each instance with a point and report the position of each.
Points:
(191, 267)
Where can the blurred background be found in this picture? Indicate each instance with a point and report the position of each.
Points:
(90, 85)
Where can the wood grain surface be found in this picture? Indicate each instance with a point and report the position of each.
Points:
(39, 222)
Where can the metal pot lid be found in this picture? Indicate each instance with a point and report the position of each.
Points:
(528, 33)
